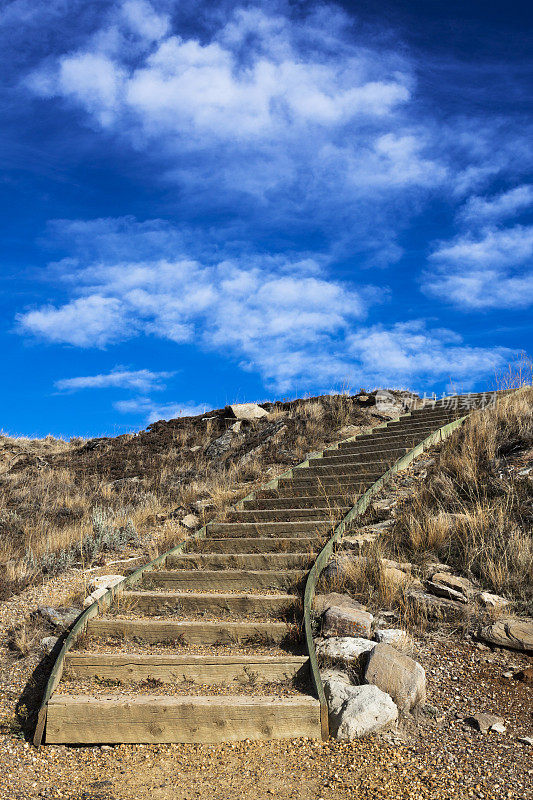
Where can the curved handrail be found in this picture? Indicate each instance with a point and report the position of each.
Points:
(323, 557)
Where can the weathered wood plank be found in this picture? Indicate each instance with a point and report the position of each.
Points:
(151, 719)
(241, 561)
(188, 632)
(212, 602)
(222, 579)
(212, 670)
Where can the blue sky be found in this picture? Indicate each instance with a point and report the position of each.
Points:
(206, 203)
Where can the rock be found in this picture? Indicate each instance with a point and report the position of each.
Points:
(398, 675)
(94, 596)
(335, 674)
(48, 643)
(324, 601)
(203, 505)
(349, 431)
(513, 632)
(451, 587)
(345, 621)
(236, 427)
(357, 710)
(396, 578)
(191, 521)
(435, 607)
(248, 411)
(222, 444)
(359, 542)
(195, 448)
(498, 727)
(395, 637)
(106, 581)
(526, 739)
(385, 504)
(489, 600)
(345, 650)
(484, 722)
(388, 404)
(340, 569)
(60, 618)
(525, 675)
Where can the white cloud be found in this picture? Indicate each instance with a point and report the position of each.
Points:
(483, 210)
(143, 20)
(141, 380)
(408, 351)
(285, 319)
(492, 270)
(154, 411)
(90, 321)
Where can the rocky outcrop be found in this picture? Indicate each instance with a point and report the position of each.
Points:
(247, 411)
(515, 633)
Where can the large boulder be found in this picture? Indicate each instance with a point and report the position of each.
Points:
(514, 633)
(357, 710)
(345, 621)
(433, 607)
(345, 650)
(397, 674)
(247, 411)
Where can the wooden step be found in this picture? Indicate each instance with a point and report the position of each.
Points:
(227, 579)
(249, 529)
(190, 632)
(355, 460)
(153, 718)
(256, 544)
(208, 602)
(169, 668)
(268, 499)
(287, 514)
(240, 561)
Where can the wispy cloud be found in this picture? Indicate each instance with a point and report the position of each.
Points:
(152, 411)
(491, 270)
(483, 210)
(141, 380)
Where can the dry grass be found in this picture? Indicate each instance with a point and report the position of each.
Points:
(474, 513)
(64, 504)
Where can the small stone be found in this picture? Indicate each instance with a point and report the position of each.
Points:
(498, 727)
(59, 617)
(489, 600)
(526, 740)
(106, 581)
(484, 722)
(48, 643)
(525, 675)
(450, 586)
(322, 602)
(190, 521)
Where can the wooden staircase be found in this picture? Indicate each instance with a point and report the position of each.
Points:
(208, 647)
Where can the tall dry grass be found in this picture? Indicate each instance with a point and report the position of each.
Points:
(474, 512)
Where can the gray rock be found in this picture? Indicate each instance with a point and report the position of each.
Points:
(515, 633)
(48, 643)
(248, 411)
(526, 740)
(450, 586)
(60, 618)
(346, 650)
(344, 621)
(324, 601)
(435, 607)
(190, 521)
(489, 600)
(357, 710)
(398, 675)
(484, 722)
(393, 636)
(220, 446)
